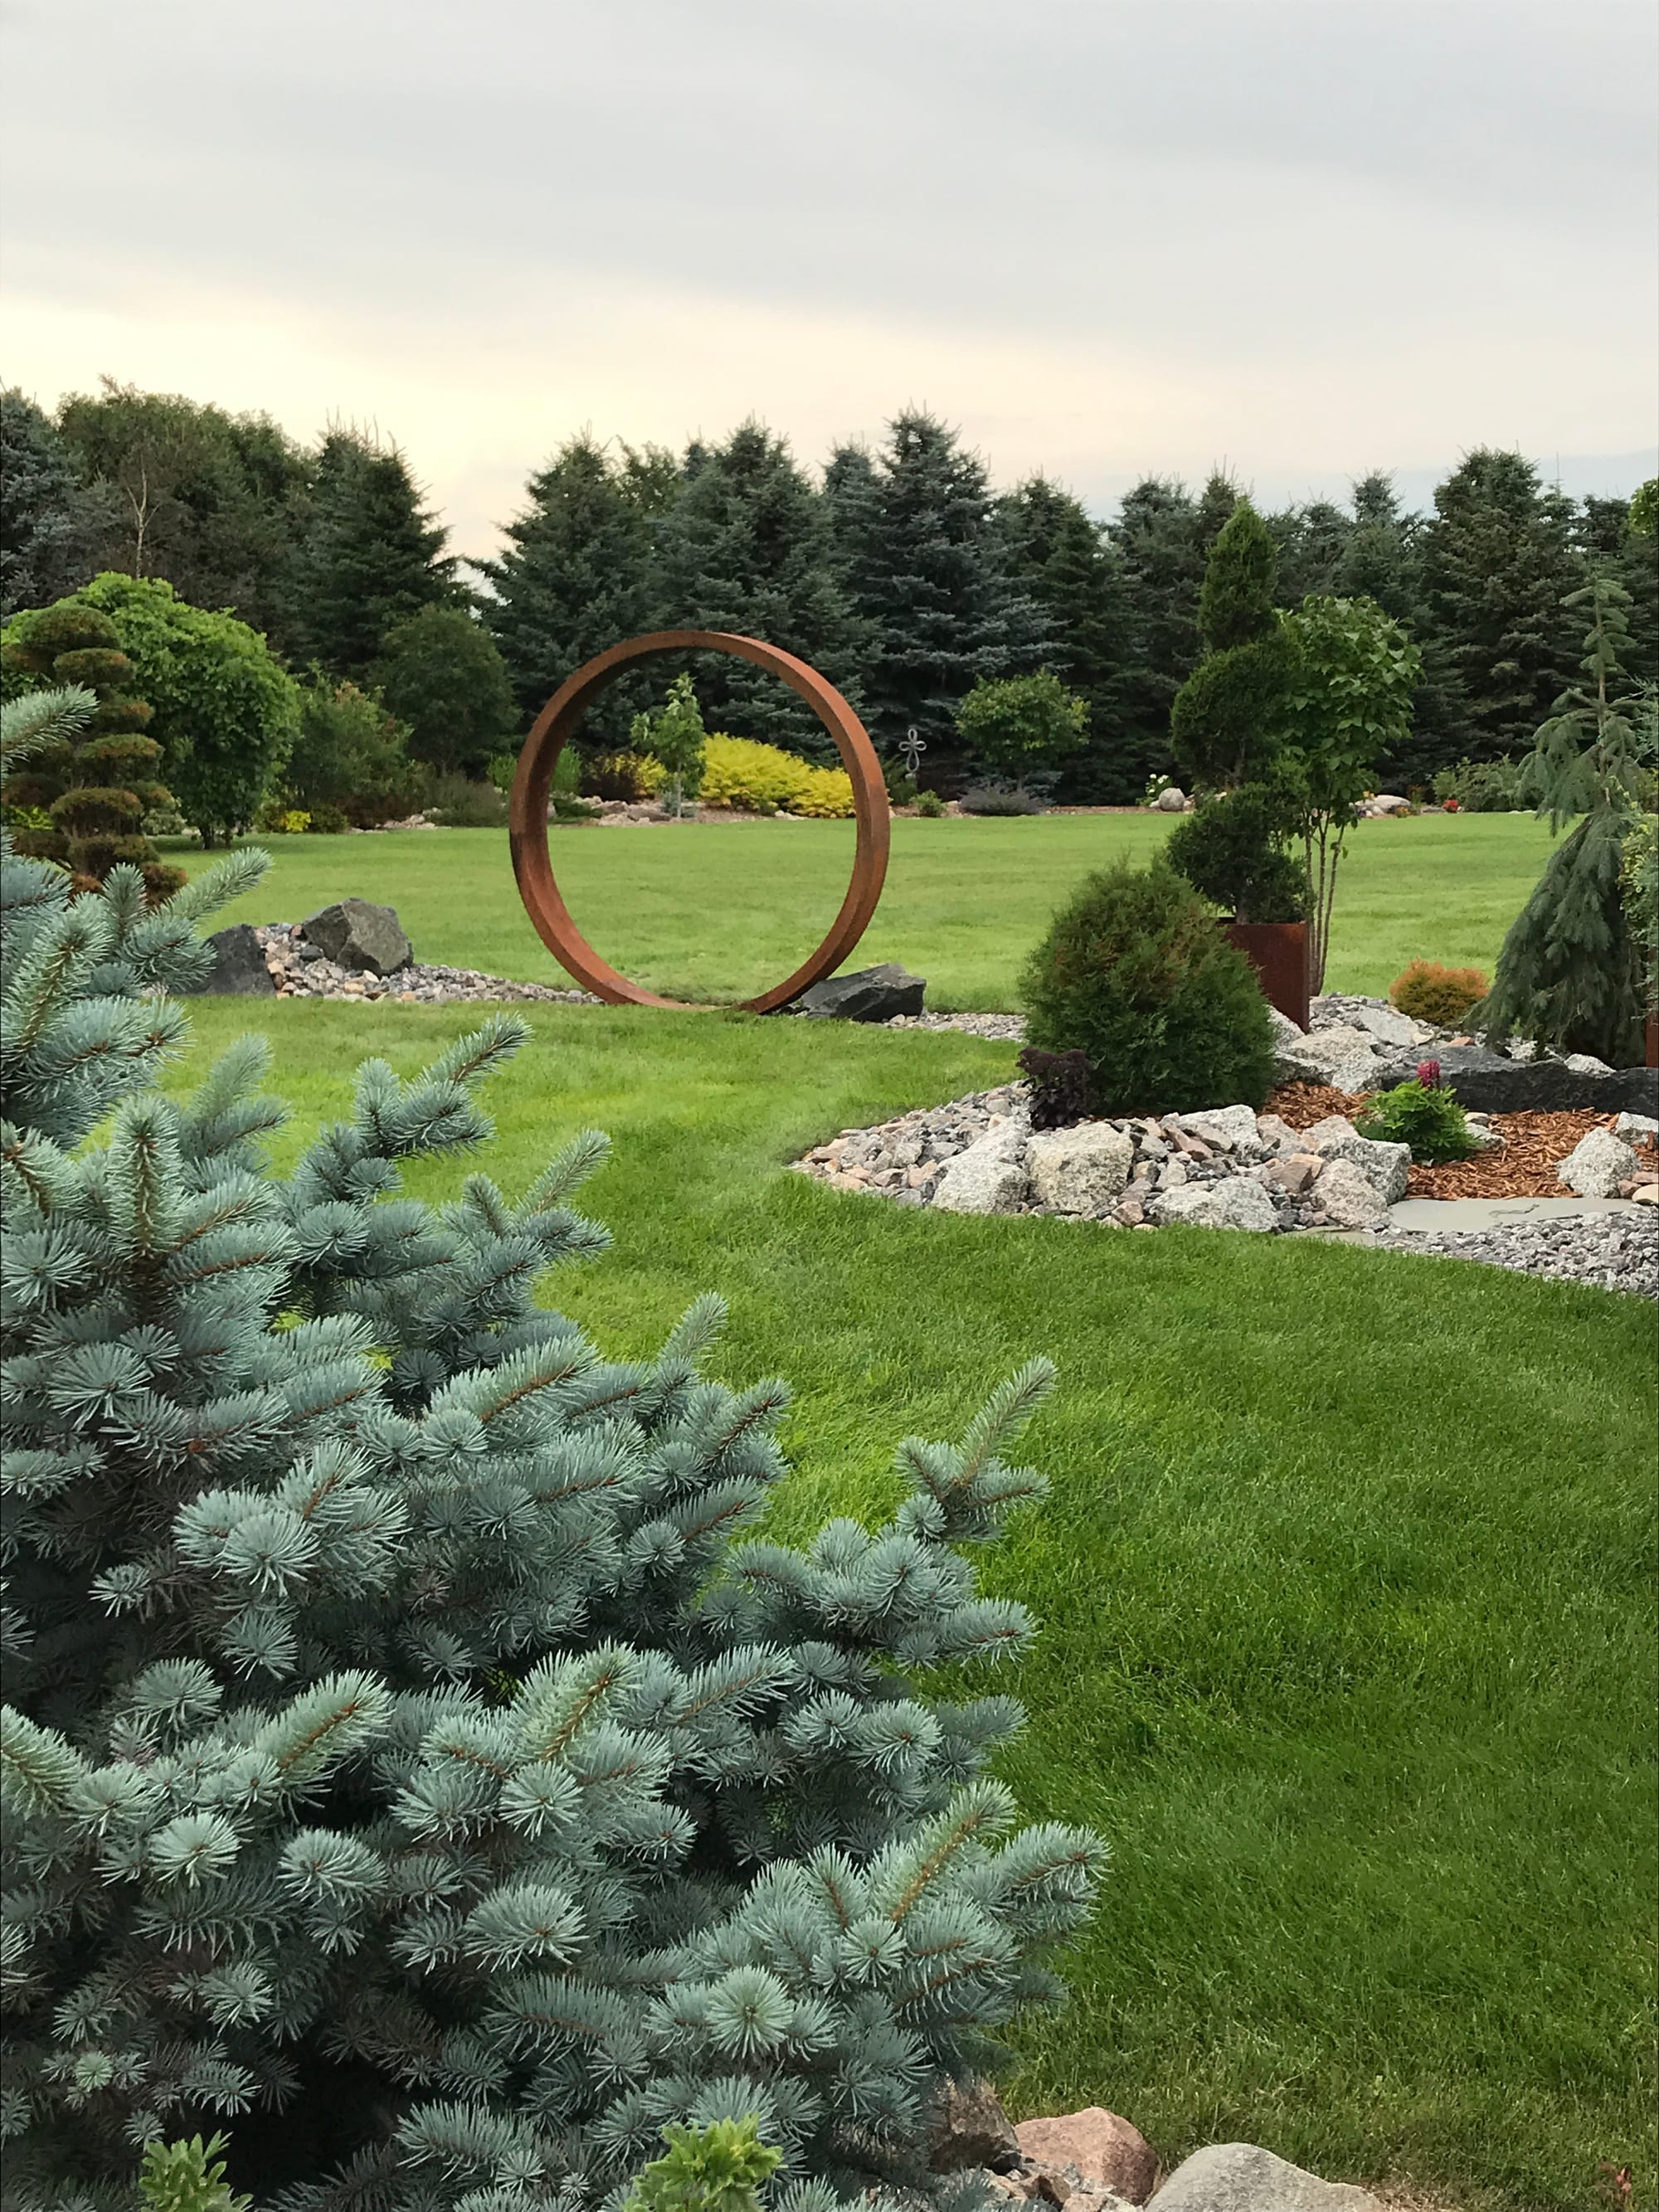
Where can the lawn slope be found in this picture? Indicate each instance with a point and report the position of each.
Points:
(1343, 1587)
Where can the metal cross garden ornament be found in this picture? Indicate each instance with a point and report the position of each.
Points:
(556, 724)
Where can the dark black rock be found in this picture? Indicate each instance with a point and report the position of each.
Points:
(355, 934)
(239, 962)
(1492, 1083)
(869, 994)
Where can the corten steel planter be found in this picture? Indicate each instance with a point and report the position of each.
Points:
(528, 813)
(1278, 950)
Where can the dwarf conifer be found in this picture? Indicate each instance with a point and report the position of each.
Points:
(417, 1763)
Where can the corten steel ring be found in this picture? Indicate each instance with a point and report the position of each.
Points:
(527, 815)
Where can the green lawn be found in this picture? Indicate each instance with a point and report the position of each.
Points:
(719, 911)
(1344, 1584)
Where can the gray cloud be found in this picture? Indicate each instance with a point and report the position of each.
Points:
(1324, 194)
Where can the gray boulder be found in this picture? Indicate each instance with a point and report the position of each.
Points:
(1386, 1026)
(1636, 1125)
(990, 1177)
(1223, 1128)
(1235, 1202)
(1082, 1169)
(1171, 799)
(869, 994)
(1349, 1196)
(1384, 1164)
(238, 964)
(969, 2128)
(1597, 1164)
(355, 934)
(1497, 1084)
(1241, 2178)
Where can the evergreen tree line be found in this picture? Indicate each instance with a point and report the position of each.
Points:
(903, 576)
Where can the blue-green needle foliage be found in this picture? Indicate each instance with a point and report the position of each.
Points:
(411, 1736)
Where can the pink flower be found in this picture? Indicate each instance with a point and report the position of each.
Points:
(1428, 1074)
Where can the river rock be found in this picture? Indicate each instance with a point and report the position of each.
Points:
(1081, 1170)
(356, 935)
(1235, 1202)
(1094, 2148)
(238, 964)
(1597, 1164)
(990, 1177)
(1241, 2178)
(971, 2129)
(868, 994)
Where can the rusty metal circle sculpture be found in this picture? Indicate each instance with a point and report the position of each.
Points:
(532, 863)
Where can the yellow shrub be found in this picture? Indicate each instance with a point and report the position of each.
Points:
(740, 772)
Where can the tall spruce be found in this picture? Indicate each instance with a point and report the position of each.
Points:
(1061, 557)
(928, 575)
(1498, 567)
(749, 546)
(576, 575)
(419, 1761)
(369, 554)
(50, 524)
(1570, 974)
(1164, 536)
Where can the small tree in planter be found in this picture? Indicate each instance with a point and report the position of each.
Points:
(1350, 704)
(1569, 976)
(1022, 726)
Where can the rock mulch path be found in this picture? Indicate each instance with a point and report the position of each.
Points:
(299, 970)
(1613, 1251)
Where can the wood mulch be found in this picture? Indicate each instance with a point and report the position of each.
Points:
(1523, 1166)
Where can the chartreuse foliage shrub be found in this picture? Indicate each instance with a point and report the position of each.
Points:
(417, 1762)
(719, 2168)
(1136, 974)
(738, 772)
(1428, 992)
(188, 2177)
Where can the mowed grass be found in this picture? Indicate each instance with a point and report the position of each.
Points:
(1343, 1587)
(717, 911)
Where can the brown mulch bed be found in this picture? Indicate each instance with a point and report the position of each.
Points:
(1523, 1166)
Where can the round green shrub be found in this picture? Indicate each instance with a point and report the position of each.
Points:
(1229, 850)
(1136, 973)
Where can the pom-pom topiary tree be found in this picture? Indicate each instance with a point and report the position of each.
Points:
(1228, 727)
(95, 781)
(417, 1761)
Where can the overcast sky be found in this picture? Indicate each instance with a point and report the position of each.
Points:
(1105, 237)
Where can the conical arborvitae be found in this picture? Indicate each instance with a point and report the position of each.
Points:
(417, 1764)
(95, 783)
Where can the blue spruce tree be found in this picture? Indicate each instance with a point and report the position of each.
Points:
(416, 1763)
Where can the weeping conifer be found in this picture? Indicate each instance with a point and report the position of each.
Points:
(1570, 975)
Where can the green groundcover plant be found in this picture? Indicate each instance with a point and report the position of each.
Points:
(417, 1761)
(1423, 1115)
